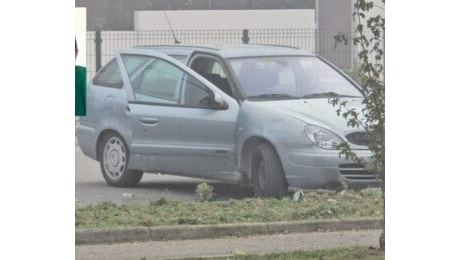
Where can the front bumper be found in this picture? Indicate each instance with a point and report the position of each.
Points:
(318, 168)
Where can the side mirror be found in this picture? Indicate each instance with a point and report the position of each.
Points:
(219, 102)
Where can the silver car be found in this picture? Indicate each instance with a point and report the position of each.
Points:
(252, 114)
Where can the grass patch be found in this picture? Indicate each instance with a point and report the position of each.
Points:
(351, 253)
(167, 211)
(348, 253)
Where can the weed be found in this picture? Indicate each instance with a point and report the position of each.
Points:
(204, 192)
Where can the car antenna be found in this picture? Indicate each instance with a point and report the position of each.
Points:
(176, 41)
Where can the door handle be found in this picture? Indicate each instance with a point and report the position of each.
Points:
(149, 121)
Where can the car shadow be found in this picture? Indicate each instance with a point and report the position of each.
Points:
(222, 191)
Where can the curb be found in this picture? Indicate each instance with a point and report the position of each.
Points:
(182, 232)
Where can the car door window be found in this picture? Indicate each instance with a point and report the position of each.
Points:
(211, 69)
(153, 80)
(195, 93)
(158, 81)
(134, 62)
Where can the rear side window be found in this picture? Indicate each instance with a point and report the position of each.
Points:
(109, 76)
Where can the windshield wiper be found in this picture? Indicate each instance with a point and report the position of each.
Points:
(326, 94)
(274, 96)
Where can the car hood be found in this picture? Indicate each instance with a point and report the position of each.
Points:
(316, 111)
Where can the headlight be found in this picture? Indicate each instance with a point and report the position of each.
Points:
(322, 137)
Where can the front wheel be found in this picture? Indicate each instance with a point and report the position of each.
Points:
(267, 173)
(114, 158)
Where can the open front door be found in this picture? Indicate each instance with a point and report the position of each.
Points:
(177, 127)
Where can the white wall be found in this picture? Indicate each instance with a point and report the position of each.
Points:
(224, 19)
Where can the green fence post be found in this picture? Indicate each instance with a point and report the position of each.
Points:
(98, 42)
(245, 36)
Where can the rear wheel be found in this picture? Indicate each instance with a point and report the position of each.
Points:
(267, 173)
(114, 158)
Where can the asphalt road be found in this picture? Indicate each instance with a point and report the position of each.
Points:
(90, 186)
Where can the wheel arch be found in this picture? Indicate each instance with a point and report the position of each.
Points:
(247, 150)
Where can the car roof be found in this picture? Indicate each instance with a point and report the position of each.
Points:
(229, 50)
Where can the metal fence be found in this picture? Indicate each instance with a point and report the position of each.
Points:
(102, 44)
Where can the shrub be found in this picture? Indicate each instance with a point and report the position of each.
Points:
(204, 192)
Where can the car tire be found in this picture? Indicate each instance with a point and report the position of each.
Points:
(114, 158)
(267, 173)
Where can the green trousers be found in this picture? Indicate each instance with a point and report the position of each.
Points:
(80, 91)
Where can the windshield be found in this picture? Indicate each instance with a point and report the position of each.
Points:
(290, 77)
